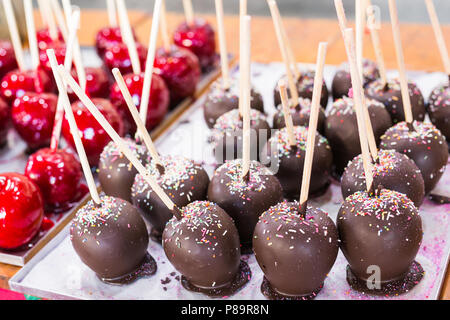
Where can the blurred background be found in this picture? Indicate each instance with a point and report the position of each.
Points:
(409, 10)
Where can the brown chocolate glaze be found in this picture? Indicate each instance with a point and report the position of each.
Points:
(383, 230)
(341, 129)
(219, 101)
(305, 85)
(424, 144)
(244, 199)
(439, 109)
(412, 277)
(300, 115)
(115, 172)
(110, 238)
(393, 170)
(203, 246)
(295, 251)
(342, 82)
(182, 180)
(242, 277)
(391, 97)
(227, 135)
(147, 268)
(290, 161)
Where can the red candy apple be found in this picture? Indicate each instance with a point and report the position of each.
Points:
(15, 83)
(93, 136)
(116, 56)
(180, 70)
(97, 83)
(106, 37)
(157, 106)
(60, 53)
(7, 59)
(4, 122)
(198, 38)
(21, 210)
(33, 115)
(57, 173)
(44, 39)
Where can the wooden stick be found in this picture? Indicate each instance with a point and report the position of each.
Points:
(127, 34)
(400, 61)
(77, 58)
(357, 98)
(242, 14)
(291, 56)
(360, 25)
(56, 132)
(245, 80)
(146, 86)
(284, 53)
(52, 28)
(376, 43)
(116, 138)
(73, 128)
(31, 30)
(14, 33)
(341, 15)
(41, 7)
(312, 128)
(438, 35)
(73, 20)
(112, 13)
(369, 130)
(164, 30)
(57, 10)
(222, 45)
(287, 112)
(189, 12)
(135, 113)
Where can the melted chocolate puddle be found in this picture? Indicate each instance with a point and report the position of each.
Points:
(393, 288)
(271, 294)
(440, 199)
(243, 276)
(147, 268)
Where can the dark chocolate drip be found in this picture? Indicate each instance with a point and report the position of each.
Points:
(410, 126)
(177, 213)
(302, 209)
(412, 277)
(160, 168)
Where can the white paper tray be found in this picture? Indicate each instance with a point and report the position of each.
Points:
(57, 272)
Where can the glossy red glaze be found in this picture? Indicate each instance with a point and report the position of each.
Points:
(106, 37)
(56, 173)
(93, 136)
(198, 38)
(60, 53)
(44, 40)
(97, 84)
(157, 106)
(15, 83)
(21, 210)
(5, 121)
(7, 58)
(33, 115)
(116, 56)
(180, 70)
